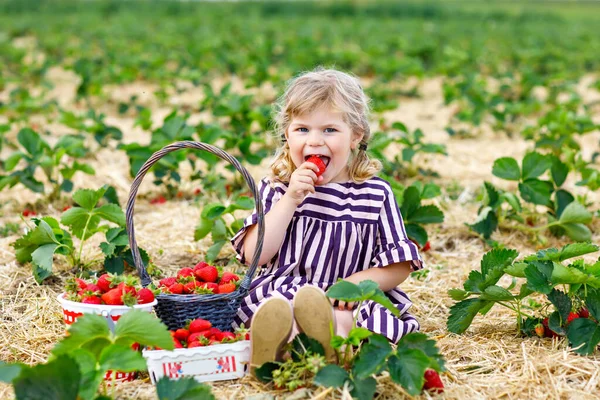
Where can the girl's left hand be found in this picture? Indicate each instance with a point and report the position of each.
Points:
(343, 306)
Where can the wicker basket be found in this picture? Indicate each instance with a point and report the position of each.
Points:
(175, 309)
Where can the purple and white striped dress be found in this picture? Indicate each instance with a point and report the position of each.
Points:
(341, 229)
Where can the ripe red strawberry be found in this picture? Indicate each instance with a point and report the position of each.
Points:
(198, 325)
(571, 317)
(145, 296)
(212, 287)
(227, 288)
(190, 287)
(113, 297)
(227, 337)
(584, 313)
(194, 337)
(185, 272)
(177, 343)
(91, 300)
(29, 213)
(194, 344)
(176, 288)
(547, 331)
(181, 334)
(427, 246)
(75, 285)
(228, 277)
(539, 330)
(158, 200)
(433, 381)
(167, 282)
(197, 191)
(93, 288)
(201, 265)
(214, 332)
(319, 163)
(125, 288)
(208, 274)
(105, 282)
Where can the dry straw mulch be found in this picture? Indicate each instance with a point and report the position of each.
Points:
(489, 361)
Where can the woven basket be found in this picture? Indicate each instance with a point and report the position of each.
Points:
(175, 309)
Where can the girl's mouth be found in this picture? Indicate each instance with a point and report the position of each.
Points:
(323, 158)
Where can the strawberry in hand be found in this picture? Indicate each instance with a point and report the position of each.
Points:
(319, 163)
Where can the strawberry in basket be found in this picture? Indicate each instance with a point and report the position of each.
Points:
(108, 289)
(201, 333)
(202, 279)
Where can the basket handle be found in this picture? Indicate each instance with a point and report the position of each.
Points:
(137, 259)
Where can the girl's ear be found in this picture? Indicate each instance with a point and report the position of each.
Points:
(356, 141)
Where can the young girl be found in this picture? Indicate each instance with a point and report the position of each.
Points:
(343, 224)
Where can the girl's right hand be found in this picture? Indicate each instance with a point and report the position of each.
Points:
(302, 182)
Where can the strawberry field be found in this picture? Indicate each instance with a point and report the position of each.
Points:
(486, 118)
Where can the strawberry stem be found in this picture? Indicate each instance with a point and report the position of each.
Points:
(83, 239)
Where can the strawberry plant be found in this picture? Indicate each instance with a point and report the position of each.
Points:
(59, 163)
(92, 123)
(79, 362)
(402, 165)
(564, 215)
(212, 221)
(47, 238)
(570, 289)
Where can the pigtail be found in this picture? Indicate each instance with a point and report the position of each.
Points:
(361, 167)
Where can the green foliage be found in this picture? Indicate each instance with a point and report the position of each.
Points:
(92, 123)
(58, 163)
(79, 362)
(182, 389)
(416, 215)
(567, 289)
(213, 222)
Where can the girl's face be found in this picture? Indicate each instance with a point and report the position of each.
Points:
(323, 132)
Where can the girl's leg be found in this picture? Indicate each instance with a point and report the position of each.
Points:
(343, 322)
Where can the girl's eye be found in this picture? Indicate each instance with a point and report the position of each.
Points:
(330, 130)
(301, 129)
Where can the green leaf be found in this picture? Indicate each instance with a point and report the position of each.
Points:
(536, 191)
(562, 303)
(8, 372)
(516, 269)
(346, 291)
(212, 211)
(202, 229)
(88, 198)
(592, 302)
(575, 213)
(412, 201)
(31, 141)
(492, 195)
(331, 376)
(303, 344)
(562, 199)
(458, 294)
(407, 368)
(87, 328)
(506, 168)
(264, 373)
(534, 165)
(372, 356)
(56, 380)
(121, 358)
(486, 224)
(494, 262)
(559, 171)
(357, 335)
(577, 232)
(584, 335)
(538, 276)
(430, 191)
(363, 389)
(111, 213)
(562, 274)
(77, 219)
(43, 234)
(416, 233)
(420, 341)
(184, 388)
(555, 325)
(43, 258)
(496, 293)
(245, 203)
(12, 160)
(462, 314)
(213, 251)
(474, 282)
(219, 230)
(427, 215)
(144, 328)
(513, 200)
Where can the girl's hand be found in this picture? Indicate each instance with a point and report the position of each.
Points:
(342, 305)
(302, 182)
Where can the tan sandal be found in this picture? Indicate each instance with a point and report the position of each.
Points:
(315, 317)
(270, 329)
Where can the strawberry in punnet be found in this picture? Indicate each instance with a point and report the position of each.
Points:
(207, 274)
(319, 163)
(185, 272)
(433, 381)
(93, 288)
(242, 332)
(113, 297)
(227, 288)
(145, 296)
(229, 277)
(177, 344)
(105, 282)
(75, 285)
(191, 345)
(198, 325)
(227, 337)
(91, 300)
(181, 334)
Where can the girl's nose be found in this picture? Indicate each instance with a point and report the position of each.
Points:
(315, 138)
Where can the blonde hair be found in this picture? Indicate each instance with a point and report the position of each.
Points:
(311, 90)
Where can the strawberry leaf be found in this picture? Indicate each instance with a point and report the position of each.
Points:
(486, 223)
(363, 389)
(429, 214)
(407, 368)
(372, 356)
(88, 198)
(496, 293)
(539, 275)
(536, 191)
(577, 249)
(584, 335)
(203, 229)
(331, 376)
(57, 380)
(182, 388)
(562, 303)
(86, 329)
(575, 213)
(121, 358)
(8, 372)
(111, 213)
(462, 314)
(428, 346)
(346, 291)
(506, 168)
(416, 233)
(141, 327)
(42, 259)
(534, 165)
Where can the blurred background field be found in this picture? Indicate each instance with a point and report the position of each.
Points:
(90, 89)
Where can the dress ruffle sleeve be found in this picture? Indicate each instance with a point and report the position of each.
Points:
(269, 196)
(393, 245)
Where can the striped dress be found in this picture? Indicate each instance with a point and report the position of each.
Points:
(341, 229)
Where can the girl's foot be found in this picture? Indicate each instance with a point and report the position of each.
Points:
(269, 330)
(314, 316)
